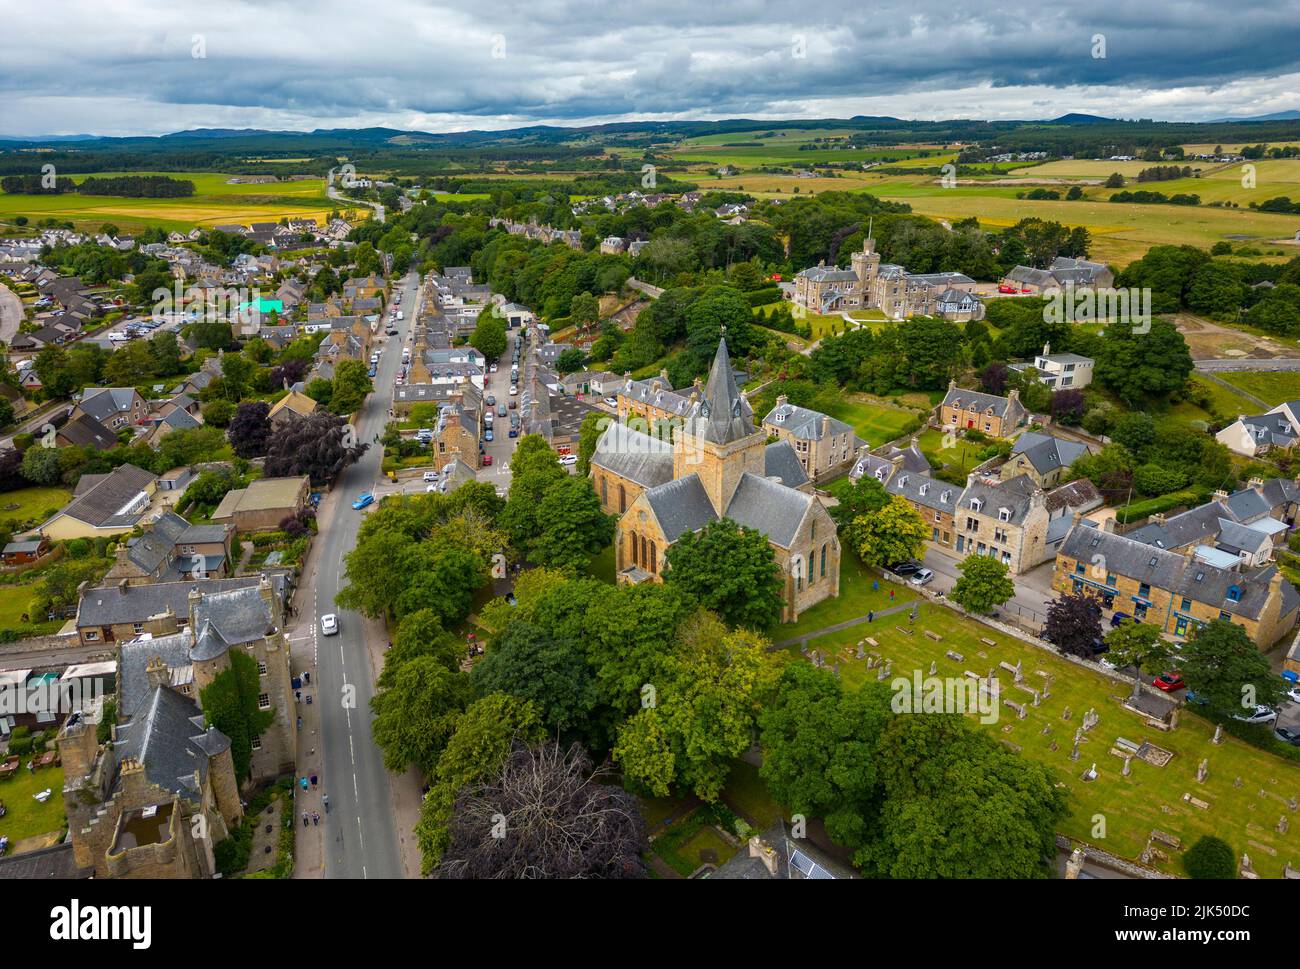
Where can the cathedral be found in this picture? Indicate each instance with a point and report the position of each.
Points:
(698, 459)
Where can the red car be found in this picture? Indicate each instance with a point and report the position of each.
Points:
(1169, 682)
(1004, 288)
(487, 460)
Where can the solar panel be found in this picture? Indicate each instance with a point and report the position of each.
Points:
(807, 867)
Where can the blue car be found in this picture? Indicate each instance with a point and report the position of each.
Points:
(362, 500)
(487, 435)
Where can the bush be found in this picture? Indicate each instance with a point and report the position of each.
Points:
(1210, 857)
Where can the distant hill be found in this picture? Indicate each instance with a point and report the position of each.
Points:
(1081, 119)
(1275, 116)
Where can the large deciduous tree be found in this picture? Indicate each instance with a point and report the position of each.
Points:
(894, 533)
(1073, 623)
(983, 584)
(250, 429)
(1226, 670)
(320, 445)
(415, 717)
(730, 570)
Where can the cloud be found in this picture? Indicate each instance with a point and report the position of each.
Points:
(130, 67)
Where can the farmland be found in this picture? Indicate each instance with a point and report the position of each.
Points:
(215, 202)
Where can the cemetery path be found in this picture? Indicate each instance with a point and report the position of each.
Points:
(846, 624)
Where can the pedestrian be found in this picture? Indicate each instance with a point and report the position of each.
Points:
(300, 723)
(891, 595)
(304, 783)
(315, 818)
(306, 676)
(313, 782)
(297, 695)
(871, 616)
(326, 801)
(304, 819)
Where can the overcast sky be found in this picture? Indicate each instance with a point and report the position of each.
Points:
(122, 67)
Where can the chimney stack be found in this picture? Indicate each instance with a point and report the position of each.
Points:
(760, 849)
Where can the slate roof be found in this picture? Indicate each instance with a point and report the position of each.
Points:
(1186, 528)
(113, 605)
(1074, 494)
(104, 502)
(56, 861)
(923, 490)
(1047, 453)
(780, 461)
(723, 415)
(1015, 495)
(132, 658)
(976, 400)
(768, 507)
(84, 431)
(103, 403)
(805, 424)
(680, 506)
(239, 615)
(168, 737)
(634, 455)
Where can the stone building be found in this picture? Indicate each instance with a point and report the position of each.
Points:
(717, 465)
(824, 446)
(974, 410)
(1005, 520)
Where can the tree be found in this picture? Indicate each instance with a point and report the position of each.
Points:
(894, 533)
(1226, 670)
(1139, 365)
(6, 413)
(820, 750)
(700, 713)
(532, 472)
(416, 715)
(1210, 857)
(421, 633)
(250, 429)
(489, 336)
(573, 525)
(866, 496)
(593, 426)
(41, 465)
(528, 662)
(983, 584)
(1139, 645)
(584, 311)
(230, 704)
(318, 445)
(730, 570)
(218, 413)
(1073, 624)
(570, 360)
(350, 387)
(544, 814)
(236, 374)
(484, 734)
(946, 786)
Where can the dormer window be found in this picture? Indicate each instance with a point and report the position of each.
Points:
(902, 482)
(925, 488)
(975, 504)
(1004, 514)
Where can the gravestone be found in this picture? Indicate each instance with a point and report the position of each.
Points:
(1202, 770)
(1283, 824)
(1218, 733)
(1127, 761)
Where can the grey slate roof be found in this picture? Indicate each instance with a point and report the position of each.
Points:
(780, 461)
(1014, 495)
(632, 454)
(168, 737)
(84, 431)
(103, 403)
(112, 605)
(107, 495)
(976, 400)
(765, 506)
(54, 862)
(132, 658)
(238, 615)
(724, 415)
(805, 424)
(1047, 453)
(923, 490)
(680, 506)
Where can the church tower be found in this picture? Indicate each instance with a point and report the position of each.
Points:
(719, 441)
(866, 264)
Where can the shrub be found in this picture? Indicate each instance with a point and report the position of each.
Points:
(1210, 857)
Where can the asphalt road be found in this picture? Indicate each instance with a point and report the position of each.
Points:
(361, 835)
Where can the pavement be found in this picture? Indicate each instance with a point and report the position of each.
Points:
(368, 831)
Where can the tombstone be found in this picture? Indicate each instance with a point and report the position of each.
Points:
(1052, 746)
(1078, 734)
(1202, 770)
(862, 652)
(1091, 773)
(1245, 863)
(1018, 664)
(1127, 762)
(803, 647)
(934, 667)
(1218, 733)
(1065, 715)
(889, 667)
(1045, 731)
(1293, 804)
(1237, 782)
(1283, 824)
(1074, 752)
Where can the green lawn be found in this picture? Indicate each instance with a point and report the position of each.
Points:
(26, 504)
(1151, 797)
(856, 598)
(874, 423)
(14, 600)
(26, 817)
(1272, 388)
(960, 453)
(1226, 404)
(747, 795)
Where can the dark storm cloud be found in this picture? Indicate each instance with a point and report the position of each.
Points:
(122, 67)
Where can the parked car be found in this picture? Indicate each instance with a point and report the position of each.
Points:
(1118, 618)
(492, 369)
(431, 476)
(514, 430)
(1261, 714)
(487, 435)
(1170, 682)
(329, 624)
(514, 391)
(1294, 694)
(1004, 288)
(611, 401)
(921, 577)
(904, 569)
(1287, 735)
(501, 410)
(568, 459)
(364, 499)
(490, 400)
(487, 460)
(513, 404)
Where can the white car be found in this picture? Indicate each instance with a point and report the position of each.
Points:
(568, 459)
(492, 369)
(514, 390)
(611, 401)
(329, 624)
(921, 577)
(431, 476)
(1294, 694)
(1261, 714)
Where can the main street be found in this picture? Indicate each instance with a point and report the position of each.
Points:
(361, 839)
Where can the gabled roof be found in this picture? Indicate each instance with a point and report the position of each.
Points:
(1047, 453)
(680, 506)
(724, 415)
(85, 431)
(112, 499)
(780, 461)
(804, 423)
(170, 740)
(103, 403)
(768, 507)
(631, 454)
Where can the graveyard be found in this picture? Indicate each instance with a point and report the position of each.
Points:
(1137, 788)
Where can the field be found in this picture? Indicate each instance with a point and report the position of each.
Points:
(214, 203)
(874, 423)
(26, 504)
(1244, 814)
(1271, 388)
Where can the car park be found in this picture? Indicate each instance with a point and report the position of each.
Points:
(329, 624)
(921, 577)
(363, 500)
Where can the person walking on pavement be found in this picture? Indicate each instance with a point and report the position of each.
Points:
(313, 782)
(315, 818)
(304, 819)
(326, 801)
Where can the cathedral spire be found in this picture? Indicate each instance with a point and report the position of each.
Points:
(724, 414)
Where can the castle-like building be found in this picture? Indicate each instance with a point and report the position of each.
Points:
(154, 799)
(868, 284)
(702, 459)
